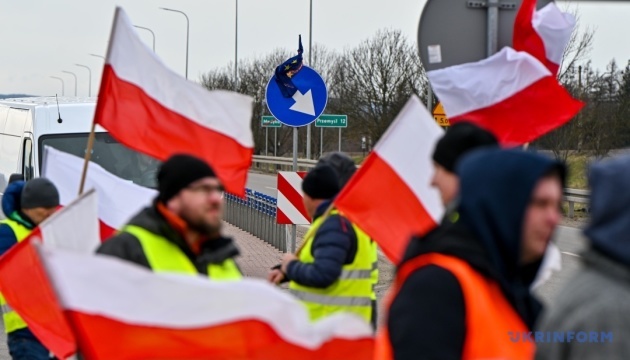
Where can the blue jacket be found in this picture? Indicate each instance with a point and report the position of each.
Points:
(11, 209)
(334, 245)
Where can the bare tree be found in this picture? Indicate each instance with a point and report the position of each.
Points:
(375, 79)
(578, 49)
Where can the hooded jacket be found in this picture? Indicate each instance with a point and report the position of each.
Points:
(427, 318)
(12, 210)
(596, 298)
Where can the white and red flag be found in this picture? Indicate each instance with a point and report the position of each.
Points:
(153, 110)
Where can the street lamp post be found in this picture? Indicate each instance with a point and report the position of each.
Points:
(187, 34)
(149, 30)
(310, 46)
(99, 56)
(89, 78)
(63, 85)
(236, 47)
(75, 80)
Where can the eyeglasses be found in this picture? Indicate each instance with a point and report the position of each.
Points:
(207, 189)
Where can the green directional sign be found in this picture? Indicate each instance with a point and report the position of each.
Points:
(333, 121)
(270, 121)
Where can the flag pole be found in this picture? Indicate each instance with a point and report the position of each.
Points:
(90, 144)
(310, 234)
(88, 155)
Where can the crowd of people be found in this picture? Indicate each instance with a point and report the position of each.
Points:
(462, 290)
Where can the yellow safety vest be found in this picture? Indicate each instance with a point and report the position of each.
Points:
(353, 291)
(164, 256)
(13, 321)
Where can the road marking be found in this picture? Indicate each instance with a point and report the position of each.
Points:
(570, 254)
(272, 188)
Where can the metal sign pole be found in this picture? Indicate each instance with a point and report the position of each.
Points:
(295, 168)
(493, 26)
(339, 139)
(266, 141)
(321, 141)
(275, 141)
(429, 97)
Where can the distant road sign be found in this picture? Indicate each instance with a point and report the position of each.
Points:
(305, 106)
(270, 121)
(332, 121)
(440, 115)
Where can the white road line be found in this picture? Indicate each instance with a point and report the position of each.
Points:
(269, 187)
(570, 254)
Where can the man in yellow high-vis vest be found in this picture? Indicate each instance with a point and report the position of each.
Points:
(181, 231)
(25, 206)
(334, 270)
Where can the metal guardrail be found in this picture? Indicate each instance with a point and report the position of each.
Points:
(573, 196)
(273, 164)
(256, 214)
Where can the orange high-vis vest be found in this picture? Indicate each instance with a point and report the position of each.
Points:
(490, 319)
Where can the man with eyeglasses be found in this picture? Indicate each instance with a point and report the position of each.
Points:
(180, 232)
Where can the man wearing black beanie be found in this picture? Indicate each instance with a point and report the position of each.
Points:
(461, 138)
(333, 270)
(180, 232)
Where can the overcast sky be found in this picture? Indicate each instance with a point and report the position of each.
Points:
(40, 38)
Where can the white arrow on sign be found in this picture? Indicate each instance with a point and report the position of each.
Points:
(303, 103)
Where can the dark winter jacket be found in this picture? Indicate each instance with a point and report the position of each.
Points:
(11, 209)
(595, 299)
(334, 244)
(127, 246)
(427, 317)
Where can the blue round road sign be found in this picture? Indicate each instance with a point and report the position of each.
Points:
(305, 106)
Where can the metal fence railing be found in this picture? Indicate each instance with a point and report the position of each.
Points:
(256, 214)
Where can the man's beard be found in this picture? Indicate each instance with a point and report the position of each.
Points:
(200, 226)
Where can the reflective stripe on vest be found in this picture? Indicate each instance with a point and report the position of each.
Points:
(13, 321)
(353, 291)
(489, 316)
(164, 256)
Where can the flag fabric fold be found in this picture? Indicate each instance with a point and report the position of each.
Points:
(153, 110)
(511, 94)
(543, 33)
(119, 199)
(390, 196)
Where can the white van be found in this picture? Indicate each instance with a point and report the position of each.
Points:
(29, 124)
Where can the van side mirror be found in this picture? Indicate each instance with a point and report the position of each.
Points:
(16, 177)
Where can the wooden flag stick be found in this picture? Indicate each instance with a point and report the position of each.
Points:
(88, 155)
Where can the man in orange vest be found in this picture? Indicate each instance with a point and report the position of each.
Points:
(462, 294)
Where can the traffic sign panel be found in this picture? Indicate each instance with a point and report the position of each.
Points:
(440, 116)
(305, 106)
(333, 121)
(270, 121)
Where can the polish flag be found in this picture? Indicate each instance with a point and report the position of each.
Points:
(119, 199)
(390, 196)
(111, 309)
(543, 33)
(510, 94)
(22, 282)
(153, 110)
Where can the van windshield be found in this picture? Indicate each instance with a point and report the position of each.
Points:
(108, 153)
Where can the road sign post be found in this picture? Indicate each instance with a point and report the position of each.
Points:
(331, 121)
(306, 105)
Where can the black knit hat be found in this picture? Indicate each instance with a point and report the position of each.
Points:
(321, 182)
(341, 163)
(39, 192)
(178, 172)
(459, 139)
